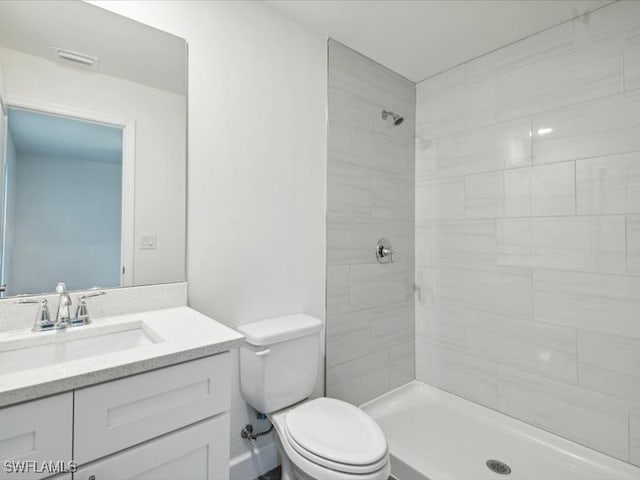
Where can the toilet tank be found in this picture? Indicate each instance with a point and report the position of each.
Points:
(279, 361)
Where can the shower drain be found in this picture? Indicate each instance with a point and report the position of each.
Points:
(498, 467)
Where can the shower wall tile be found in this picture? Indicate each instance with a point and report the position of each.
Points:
(540, 190)
(579, 243)
(601, 303)
(632, 63)
(587, 73)
(527, 238)
(634, 431)
(633, 244)
(577, 413)
(484, 195)
(370, 195)
(458, 372)
(440, 199)
(609, 184)
(600, 127)
(609, 364)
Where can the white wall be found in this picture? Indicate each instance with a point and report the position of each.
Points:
(67, 222)
(528, 226)
(257, 140)
(160, 139)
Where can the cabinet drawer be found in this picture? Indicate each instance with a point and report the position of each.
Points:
(116, 415)
(199, 452)
(38, 431)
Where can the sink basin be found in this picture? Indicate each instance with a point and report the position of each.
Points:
(49, 348)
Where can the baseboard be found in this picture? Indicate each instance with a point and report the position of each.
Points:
(251, 465)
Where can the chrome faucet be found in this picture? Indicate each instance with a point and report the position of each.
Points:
(63, 317)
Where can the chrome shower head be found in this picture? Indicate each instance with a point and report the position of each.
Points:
(397, 119)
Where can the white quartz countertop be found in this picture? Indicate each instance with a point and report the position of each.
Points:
(181, 334)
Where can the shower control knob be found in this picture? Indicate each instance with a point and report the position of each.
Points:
(384, 251)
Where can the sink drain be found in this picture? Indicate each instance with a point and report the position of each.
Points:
(498, 467)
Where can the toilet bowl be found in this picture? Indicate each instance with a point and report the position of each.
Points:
(319, 439)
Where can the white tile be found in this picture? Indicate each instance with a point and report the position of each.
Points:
(540, 190)
(352, 240)
(583, 74)
(609, 364)
(609, 184)
(361, 379)
(634, 443)
(392, 325)
(618, 18)
(457, 242)
(376, 285)
(545, 349)
(470, 105)
(632, 63)
(553, 189)
(484, 195)
(393, 197)
(590, 418)
(381, 153)
(549, 43)
(498, 290)
(349, 189)
(633, 244)
(458, 372)
(402, 361)
(365, 114)
(587, 244)
(602, 303)
(338, 289)
(600, 127)
(499, 146)
(351, 341)
(444, 323)
(440, 199)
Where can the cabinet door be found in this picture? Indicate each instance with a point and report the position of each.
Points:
(34, 435)
(199, 452)
(116, 415)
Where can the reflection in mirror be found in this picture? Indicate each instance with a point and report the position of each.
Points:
(92, 149)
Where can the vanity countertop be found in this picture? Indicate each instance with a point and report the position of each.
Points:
(180, 334)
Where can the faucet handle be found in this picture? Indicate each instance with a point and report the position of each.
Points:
(82, 313)
(43, 318)
(61, 287)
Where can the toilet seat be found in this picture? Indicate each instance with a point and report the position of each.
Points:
(335, 435)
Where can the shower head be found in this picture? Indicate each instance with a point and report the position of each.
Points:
(397, 119)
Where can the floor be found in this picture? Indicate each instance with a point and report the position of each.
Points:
(271, 475)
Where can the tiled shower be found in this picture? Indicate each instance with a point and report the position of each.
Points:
(524, 206)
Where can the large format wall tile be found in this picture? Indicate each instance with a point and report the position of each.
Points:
(370, 195)
(527, 238)
(576, 413)
(609, 184)
(585, 243)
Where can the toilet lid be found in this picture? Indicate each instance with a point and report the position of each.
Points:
(337, 431)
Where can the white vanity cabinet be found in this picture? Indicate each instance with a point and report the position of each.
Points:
(193, 453)
(35, 432)
(165, 424)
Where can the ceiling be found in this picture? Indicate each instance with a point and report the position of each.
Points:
(126, 48)
(54, 136)
(420, 38)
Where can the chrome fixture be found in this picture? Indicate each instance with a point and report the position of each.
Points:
(397, 119)
(82, 314)
(43, 318)
(63, 316)
(384, 251)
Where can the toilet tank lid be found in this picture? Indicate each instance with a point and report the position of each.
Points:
(279, 329)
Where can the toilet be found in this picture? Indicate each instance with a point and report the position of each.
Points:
(319, 439)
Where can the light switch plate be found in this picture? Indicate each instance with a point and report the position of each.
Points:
(148, 241)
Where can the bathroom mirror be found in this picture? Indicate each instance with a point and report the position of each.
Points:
(92, 149)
